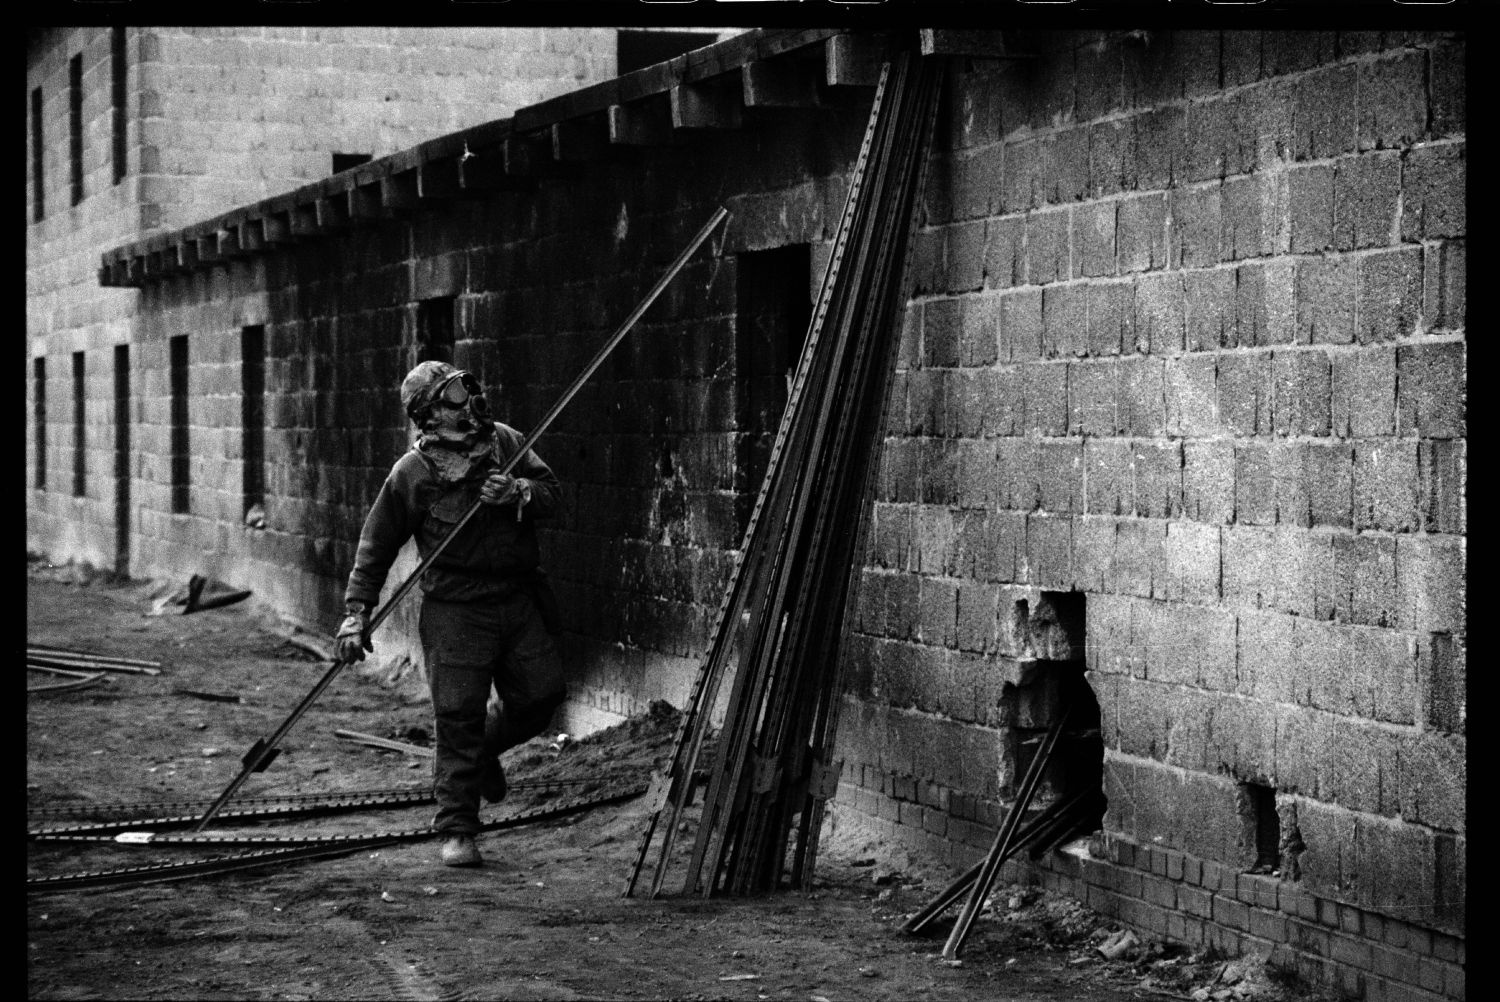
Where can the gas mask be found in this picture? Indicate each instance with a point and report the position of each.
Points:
(458, 417)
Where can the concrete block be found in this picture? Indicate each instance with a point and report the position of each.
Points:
(1191, 558)
(1015, 486)
(1113, 157)
(1195, 226)
(1444, 298)
(1142, 398)
(1430, 397)
(1005, 535)
(1325, 113)
(1068, 175)
(1311, 207)
(1442, 678)
(1192, 399)
(1158, 134)
(1266, 665)
(1211, 302)
(1254, 489)
(1364, 393)
(1208, 138)
(1265, 303)
(1389, 305)
(1137, 560)
(1431, 583)
(1446, 90)
(1160, 313)
(1020, 326)
(978, 333)
(1046, 398)
(1049, 551)
(965, 256)
(1326, 291)
(1141, 233)
(1093, 392)
(1367, 199)
(1093, 236)
(1208, 481)
(1263, 121)
(1434, 192)
(1245, 393)
(1048, 253)
(1157, 469)
(1360, 585)
(1065, 330)
(1060, 476)
(1109, 317)
(1393, 101)
(1385, 485)
(1251, 212)
(1303, 392)
(1107, 477)
(1005, 252)
(1328, 476)
(941, 332)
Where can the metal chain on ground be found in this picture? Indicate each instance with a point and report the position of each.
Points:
(313, 847)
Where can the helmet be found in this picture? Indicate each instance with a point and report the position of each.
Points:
(420, 387)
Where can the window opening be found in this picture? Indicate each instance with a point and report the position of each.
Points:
(75, 125)
(435, 336)
(635, 49)
(178, 379)
(39, 418)
(772, 312)
(253, 423)
(1262, 826)
(117, 100)
(345, 161)
(1053, 628)
(122, 459)
(80, 441)
(38, 189)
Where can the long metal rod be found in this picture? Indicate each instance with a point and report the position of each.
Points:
(991, 866)
(1035, 829)
(261, 753)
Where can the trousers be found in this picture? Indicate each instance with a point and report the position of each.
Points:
(495, 677)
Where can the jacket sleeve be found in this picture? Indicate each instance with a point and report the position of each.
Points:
(546, 489)
(390, 523)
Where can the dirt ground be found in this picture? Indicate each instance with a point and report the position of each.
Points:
(544, 918)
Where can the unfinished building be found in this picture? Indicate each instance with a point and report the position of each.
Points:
(1178, 421)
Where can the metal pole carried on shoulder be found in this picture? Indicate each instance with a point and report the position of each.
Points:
(265, 749)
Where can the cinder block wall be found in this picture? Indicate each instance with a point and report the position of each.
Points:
(218, 117)
(536, 281)
(1166, 362)
(1189, 338)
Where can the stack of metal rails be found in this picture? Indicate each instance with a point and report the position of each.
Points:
(781, 623)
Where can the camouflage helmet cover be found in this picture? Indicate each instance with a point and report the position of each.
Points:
(421, 385)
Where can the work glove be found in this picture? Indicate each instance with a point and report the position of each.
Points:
(353, 636)
(503, 489)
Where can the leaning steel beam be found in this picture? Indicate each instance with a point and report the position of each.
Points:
(693, 727)
(320, 847)
(264, 750)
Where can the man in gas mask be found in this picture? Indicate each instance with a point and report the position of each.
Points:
(487, 615)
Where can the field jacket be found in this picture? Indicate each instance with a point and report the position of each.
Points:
(492, 557)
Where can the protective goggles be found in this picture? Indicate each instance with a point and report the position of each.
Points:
(459, 389)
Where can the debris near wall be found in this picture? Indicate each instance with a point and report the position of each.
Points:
(782, 618)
